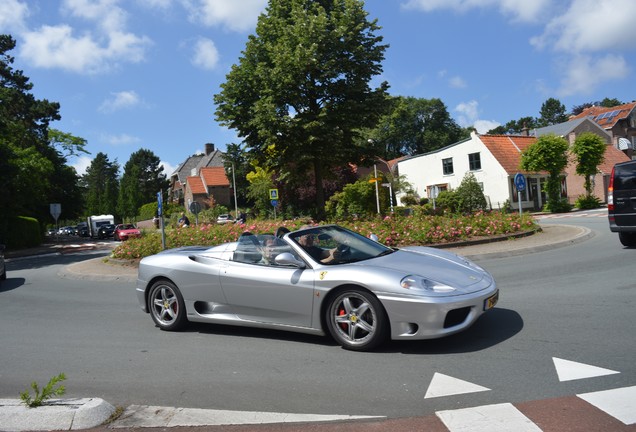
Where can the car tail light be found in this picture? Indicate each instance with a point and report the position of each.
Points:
(610, 193)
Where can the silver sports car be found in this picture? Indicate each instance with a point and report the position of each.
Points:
(318, 280)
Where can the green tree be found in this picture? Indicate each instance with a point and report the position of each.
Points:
(29, 162)
(415, 126)
(589, 150)
(143, 177)
(300, 92)
(515, 127)
(549, 153)
(258, 191)
(470, 197)
(552, 112)
(101, 186)
(355, 199)
(236, 158)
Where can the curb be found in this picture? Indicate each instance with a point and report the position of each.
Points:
(56, 414)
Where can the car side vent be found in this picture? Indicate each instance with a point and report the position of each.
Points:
(456, 317)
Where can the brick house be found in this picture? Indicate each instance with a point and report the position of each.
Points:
(201, 178)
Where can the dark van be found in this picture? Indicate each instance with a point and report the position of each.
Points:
(621, 202)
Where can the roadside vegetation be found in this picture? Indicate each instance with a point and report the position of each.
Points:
(418, 229)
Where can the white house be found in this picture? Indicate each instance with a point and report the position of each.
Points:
(493, 159)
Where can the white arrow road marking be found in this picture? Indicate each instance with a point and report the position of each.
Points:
(568, 370)
(444, 385)
(154, 416)
(488, 418)
(620, 403)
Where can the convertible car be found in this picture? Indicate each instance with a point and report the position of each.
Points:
(318, 280)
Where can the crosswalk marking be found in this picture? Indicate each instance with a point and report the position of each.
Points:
(444, 385)
(488, 418)
(619, 403)
(569, 370)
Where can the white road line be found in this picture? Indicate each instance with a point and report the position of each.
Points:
(620, 403)
(569, 370)
(488, 418)
(444, 385)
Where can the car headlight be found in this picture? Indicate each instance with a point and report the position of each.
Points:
(420, 283)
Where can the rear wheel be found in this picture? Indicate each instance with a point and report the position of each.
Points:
(166, 306)
(357, 321)
(627, 239)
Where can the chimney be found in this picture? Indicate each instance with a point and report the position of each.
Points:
(209, 148)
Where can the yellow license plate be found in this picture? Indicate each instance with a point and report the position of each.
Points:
(491, 301)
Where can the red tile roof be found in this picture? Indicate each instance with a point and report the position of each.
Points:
(214, 176)
(612, 157)
(507, 149)
(196, 185)
(607, 117)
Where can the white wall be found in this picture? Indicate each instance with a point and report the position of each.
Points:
(426, 170)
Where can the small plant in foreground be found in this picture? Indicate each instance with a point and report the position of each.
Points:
(48, 392)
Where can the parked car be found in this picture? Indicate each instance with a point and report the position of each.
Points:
(317, 280)
(621, 202)
(106, 231)
(224, 219)
(3, 268)
(125, 231)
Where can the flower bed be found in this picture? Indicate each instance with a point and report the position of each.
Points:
(391, 231)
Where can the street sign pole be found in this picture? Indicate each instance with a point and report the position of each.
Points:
(520, 184)
(160, 211)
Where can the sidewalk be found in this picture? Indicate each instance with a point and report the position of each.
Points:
(91, 413)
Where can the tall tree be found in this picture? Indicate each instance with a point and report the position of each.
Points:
(29, 161)
(101, 185)
(549, 153)
(300, 92)
(589, 150)
(143, 177)
(415, 126)
(552, 112)
(515, 127)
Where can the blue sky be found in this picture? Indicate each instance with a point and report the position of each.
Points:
(132, 74)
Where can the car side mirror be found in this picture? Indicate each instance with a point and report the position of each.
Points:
(288, 259)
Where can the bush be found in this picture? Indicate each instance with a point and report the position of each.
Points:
(24, 232)
(470, 197)
(447, 201)
(585, 202)
(560, 206)
(419, 229)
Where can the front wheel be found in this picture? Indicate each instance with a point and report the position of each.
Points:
(166, 306)
(627, 239)
(357, 321)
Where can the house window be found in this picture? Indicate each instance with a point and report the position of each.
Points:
(474, 161)
(447, 166)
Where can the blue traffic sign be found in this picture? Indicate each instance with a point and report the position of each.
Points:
(274, 203)
(520, 182)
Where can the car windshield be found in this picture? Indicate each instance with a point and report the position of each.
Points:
(127, 227)
(332, 245)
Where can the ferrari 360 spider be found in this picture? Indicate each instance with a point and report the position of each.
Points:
(318, 280)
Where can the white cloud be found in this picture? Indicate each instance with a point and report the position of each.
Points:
(206, 56)
(120, 140)
(469, 116)
(457, 82)
(120, 100)
(167, 168)
(591, 26)
(235, 15)
(103, 45)
(13, 15)
(519, 10)
(81, 164)
(583, 74)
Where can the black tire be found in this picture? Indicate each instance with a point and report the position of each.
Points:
(357, 320)
(166, 306)
(627, 238)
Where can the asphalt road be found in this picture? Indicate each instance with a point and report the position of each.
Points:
(573, 303)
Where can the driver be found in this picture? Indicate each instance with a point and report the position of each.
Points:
(319, 254)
